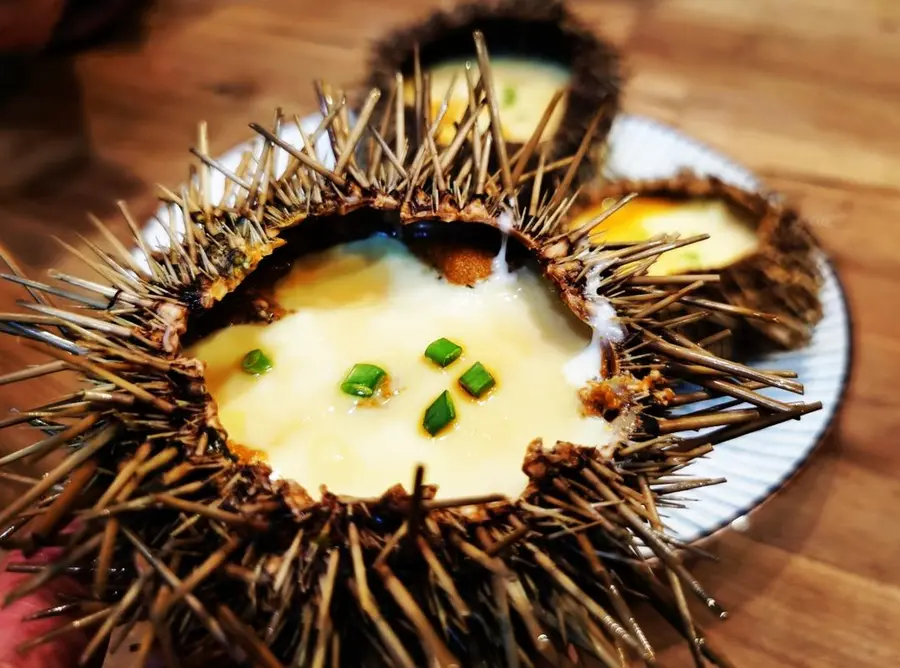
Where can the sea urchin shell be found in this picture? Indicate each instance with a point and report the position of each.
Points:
(541, 36)
(166, 526)
(773, 284)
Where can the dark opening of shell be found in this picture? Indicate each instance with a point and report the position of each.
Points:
(462, 253)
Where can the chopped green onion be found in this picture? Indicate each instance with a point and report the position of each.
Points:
(256, 363)
(509, 96)
(439, 414)
(476, 381)
(442, 352)
(363, 380)
(692, 256)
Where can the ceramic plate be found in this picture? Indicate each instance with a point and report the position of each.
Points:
(756, 465)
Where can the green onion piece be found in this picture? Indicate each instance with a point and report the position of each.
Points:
(363, 380)
(692, 256)
(442, 352)
(476, 381)
(256, 363)
(509, 96)
(439, 414)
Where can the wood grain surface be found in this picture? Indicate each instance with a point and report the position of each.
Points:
(804, 92)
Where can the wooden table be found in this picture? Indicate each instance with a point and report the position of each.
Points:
(807, 93)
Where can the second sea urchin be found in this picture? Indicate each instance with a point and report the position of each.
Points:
(764, 252)
(549, 71)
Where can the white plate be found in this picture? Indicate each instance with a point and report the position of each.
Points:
(756, 465)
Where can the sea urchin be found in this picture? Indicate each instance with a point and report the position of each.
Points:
(766, 257)
(170, 523)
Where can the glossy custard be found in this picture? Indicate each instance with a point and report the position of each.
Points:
(375, 302)
(524, 88)
(731, 236)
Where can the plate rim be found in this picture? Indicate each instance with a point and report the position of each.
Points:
(825, 431)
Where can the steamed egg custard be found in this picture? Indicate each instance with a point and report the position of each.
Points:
(524, 89)
(374, 304)
(731, 236)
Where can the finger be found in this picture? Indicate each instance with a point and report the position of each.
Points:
(62, 652)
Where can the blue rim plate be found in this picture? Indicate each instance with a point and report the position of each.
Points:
(756, 466)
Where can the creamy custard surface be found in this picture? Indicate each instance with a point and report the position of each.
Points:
(524, 89)
(731, 237)
(375, 302)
